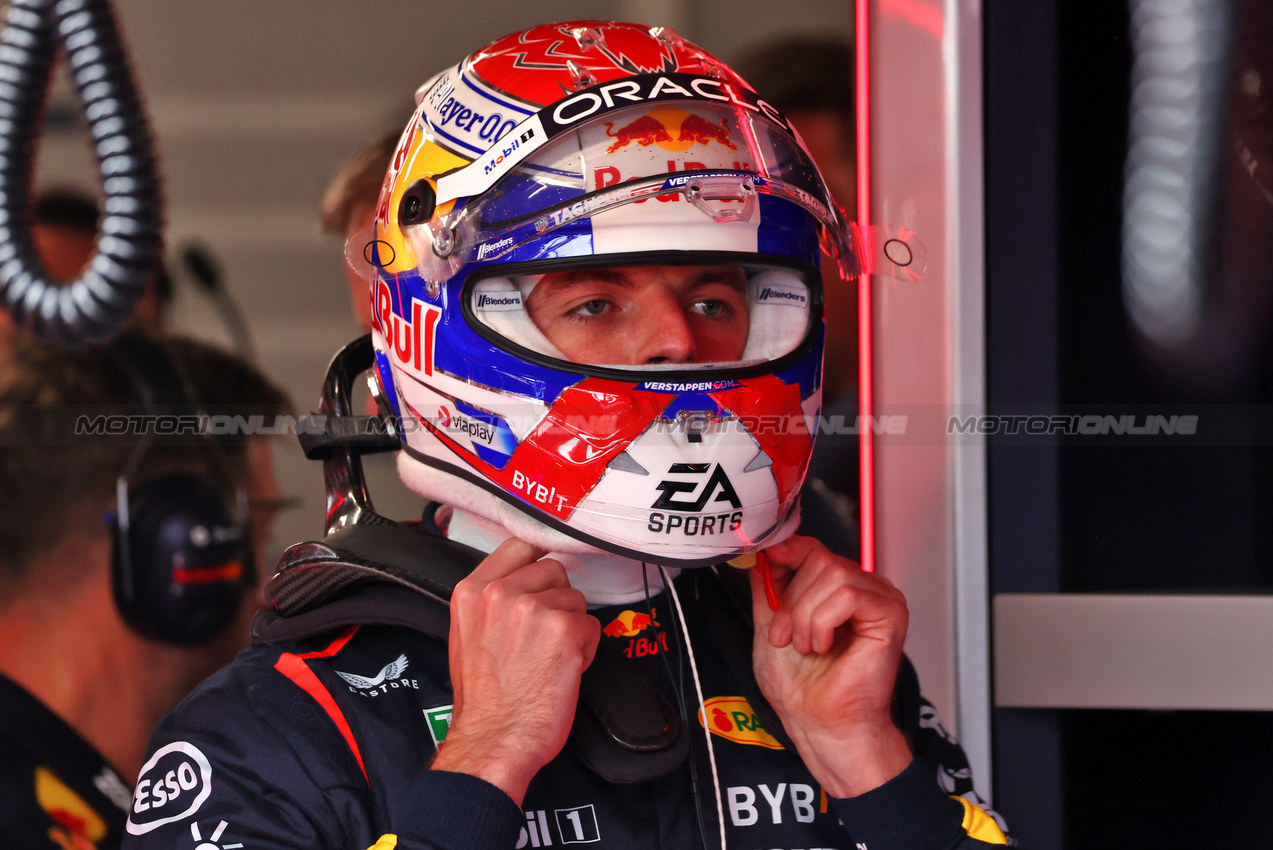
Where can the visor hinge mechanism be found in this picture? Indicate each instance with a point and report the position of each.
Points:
(707, 193)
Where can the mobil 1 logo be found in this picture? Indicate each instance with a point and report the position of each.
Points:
(577, 825)
(700, 500)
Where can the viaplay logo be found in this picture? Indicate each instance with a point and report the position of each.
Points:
(671, 129)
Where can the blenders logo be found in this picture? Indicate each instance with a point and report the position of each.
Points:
(782, 295)
(498, 302)
(172, 786)
(490, 248)
(671, 129)
(696, 497)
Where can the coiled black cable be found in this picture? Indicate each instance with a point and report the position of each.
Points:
(96, 305)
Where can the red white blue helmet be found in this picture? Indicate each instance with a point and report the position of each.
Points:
(584, 146)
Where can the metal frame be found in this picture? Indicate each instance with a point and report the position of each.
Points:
(931, 533)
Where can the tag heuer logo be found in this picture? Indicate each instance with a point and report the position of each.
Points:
(439, 720)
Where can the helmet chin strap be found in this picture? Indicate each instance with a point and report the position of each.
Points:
(603, 578)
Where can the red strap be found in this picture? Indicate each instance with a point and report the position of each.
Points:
(294, 667)
(767, 575)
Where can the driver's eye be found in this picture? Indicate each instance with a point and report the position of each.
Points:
(592, 308)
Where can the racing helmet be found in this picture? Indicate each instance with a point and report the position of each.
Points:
(540, 187)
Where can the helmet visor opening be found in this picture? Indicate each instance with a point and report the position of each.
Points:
(650, 317)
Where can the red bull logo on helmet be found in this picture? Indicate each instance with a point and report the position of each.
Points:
(671, 129)
(411, 341)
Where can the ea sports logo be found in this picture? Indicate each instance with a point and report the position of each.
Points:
(679, 495)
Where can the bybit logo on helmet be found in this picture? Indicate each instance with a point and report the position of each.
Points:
(545, 494)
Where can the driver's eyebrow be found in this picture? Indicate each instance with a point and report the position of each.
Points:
(565, 280)
(729, 277)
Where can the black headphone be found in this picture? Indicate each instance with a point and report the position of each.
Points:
(182, 558)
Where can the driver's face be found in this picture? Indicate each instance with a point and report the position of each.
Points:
(644, 314)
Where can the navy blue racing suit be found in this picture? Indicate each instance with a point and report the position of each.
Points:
(325, 742)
